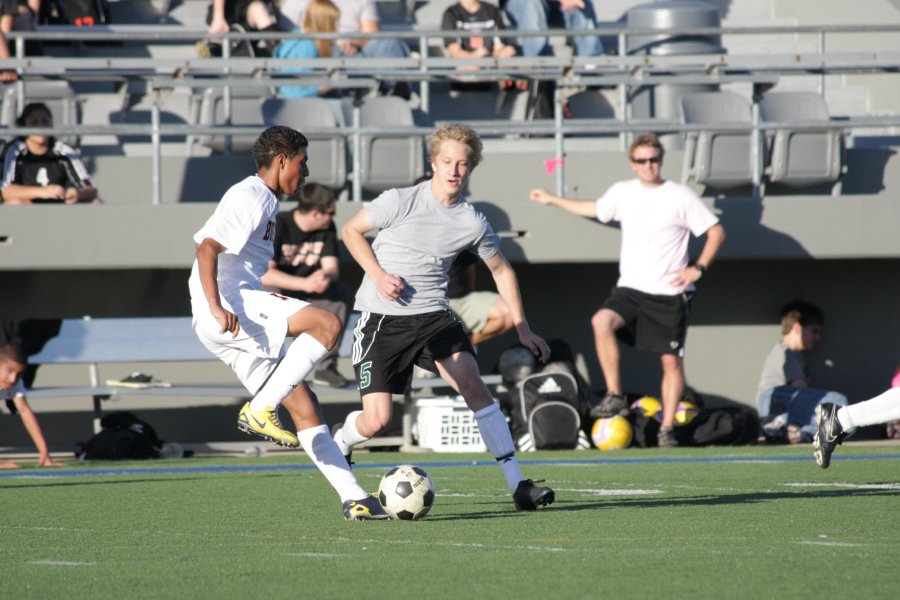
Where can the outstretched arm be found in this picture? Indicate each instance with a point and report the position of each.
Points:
(508, 286)
(353, 232)
(582, 208)
(29, 419)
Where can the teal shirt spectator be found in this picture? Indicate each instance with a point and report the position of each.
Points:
(297, 48)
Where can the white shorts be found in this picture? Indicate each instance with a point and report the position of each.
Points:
(259, 345)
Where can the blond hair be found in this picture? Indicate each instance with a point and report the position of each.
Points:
(321, 17)
(648, 140)
(458, 132)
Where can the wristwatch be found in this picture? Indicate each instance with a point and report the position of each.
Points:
(700, 267)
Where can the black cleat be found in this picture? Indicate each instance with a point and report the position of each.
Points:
(529, 496)
(828, 433)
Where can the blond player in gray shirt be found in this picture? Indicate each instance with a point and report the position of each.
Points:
(403, 299)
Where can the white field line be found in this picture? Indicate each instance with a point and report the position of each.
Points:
(834, 544)
(60, 563)
(855, 486)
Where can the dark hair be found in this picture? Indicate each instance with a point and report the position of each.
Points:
(802, 312)
(314, 196)
(30, 109)
(12, 352)
(277, 140)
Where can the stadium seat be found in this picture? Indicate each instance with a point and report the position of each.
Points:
(389, 159)
(327, 151)
(57, 95)
(246, 109)
(800, 157)
(719, 160)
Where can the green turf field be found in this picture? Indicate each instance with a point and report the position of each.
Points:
(685, 523)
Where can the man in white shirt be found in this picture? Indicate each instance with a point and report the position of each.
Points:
(650, 304)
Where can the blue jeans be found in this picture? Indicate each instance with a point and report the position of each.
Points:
(379, 48)
(786, 405)
(535, 15)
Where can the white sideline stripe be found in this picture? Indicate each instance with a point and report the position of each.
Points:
(838, 544)
(602, 492)
(62, 563)
(318, 554)
(856, 486)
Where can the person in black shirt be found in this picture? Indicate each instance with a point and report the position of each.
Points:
(41, 169)
(306, 265)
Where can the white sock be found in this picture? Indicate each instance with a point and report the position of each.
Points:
(347, 436)
(498, 439)
(883, 408)
(330, 461)
(301, 358)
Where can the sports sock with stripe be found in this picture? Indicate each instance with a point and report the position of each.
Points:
(495, 433)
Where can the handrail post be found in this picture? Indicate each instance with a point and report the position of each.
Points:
(226, 96)
(559, 159)
(756, 153)
(156, 140)
(424, 86)
(357, 148)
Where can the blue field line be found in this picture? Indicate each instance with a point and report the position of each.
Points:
(428, 465)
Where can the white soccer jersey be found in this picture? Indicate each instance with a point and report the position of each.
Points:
(244, 223)
(657, 224)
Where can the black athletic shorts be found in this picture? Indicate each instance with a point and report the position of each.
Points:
(385, 347)
(652, 322)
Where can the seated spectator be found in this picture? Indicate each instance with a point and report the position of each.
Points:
(306, 266)
(787, 403)
(321, 17)
(40, 169)
(12, 390)
(241, 15)
(357, 16)
(484, 315)
(477, 16)
(6, 74)
(538, 15)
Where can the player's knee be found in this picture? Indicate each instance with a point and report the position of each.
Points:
(373, 422)
(329, 329)
(601, 323)
(670, 362)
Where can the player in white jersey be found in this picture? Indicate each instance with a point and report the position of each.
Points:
(836, 422)
(406, 320)
(246, 327)
(650, 304)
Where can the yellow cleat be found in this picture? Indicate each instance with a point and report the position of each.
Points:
(265, 423)
(367, 509)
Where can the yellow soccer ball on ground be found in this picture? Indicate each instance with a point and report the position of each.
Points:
(611, 433)
(648, 406)
(685, 413)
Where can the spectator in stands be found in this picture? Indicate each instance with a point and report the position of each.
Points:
(537, 15)
(20, 15)
(241, 15)
(306, 265)
(357, 16)
(650, 304)
(6, 74)
(787, 404)
(321, 16)
(41, 169)
(484, 314)
(247, 327)
(476, 16)
(12, 390)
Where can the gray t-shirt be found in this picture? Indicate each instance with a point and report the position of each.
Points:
(418, 239)
(782, 366)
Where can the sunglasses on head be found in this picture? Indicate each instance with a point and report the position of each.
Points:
(643, 161)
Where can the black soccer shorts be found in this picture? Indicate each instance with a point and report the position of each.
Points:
(652, 322)
(385, 347)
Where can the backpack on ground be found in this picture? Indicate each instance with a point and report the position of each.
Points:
(123, 436)
(726, 426)
(546, 415)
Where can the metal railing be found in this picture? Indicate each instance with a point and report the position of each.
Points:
(622, 72)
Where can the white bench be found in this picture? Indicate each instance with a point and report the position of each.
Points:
(93, 342)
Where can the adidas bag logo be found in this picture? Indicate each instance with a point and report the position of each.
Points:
(549, 387)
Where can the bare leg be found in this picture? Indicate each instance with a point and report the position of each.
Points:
(605, 322)
(499, 321)
(672, 387)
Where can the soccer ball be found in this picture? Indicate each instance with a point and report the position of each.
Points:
(406, 492)
(648, 406)
(685, 413)
(612, 433)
